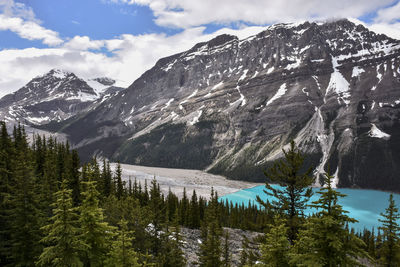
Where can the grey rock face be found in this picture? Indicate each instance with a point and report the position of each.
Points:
(230, 106)
(55, 96)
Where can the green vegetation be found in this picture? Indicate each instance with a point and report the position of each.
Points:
(56, 212)
(324, 239)
(390, 249)
(292, 200)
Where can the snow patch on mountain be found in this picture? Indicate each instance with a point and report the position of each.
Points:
(83, 97)
(167, 104)
(378, 74)
(197, 117)
(357, 71)
(60, 74)
(281, 91)
(38, 119)
(339, 84)
(98, 87)
(242, 99)
(294, 65)
(377, 133)
(189, 97)
(243, 75)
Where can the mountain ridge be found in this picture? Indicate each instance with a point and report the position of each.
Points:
(54, 96)
(230, 106)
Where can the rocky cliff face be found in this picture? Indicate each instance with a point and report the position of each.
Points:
(55, 96)
(230, 106)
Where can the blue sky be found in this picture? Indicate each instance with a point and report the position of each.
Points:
(123, 38)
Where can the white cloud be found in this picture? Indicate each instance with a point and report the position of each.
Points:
(389, 14)
(185, 14)
(389, 29)
(131, 56)
(20, 19)
(15, 9)
(29, 30)
(84, 43)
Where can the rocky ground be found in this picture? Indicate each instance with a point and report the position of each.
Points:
(178, 179)
(192, 242)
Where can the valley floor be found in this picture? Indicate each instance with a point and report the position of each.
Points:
(177, 179)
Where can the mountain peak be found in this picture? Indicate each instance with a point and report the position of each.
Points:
(56, 95)
(57, 73)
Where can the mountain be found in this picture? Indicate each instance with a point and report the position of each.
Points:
(229, 106)
(55, 96)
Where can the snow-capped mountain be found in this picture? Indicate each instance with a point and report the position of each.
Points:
(55, 96)
(230, 106)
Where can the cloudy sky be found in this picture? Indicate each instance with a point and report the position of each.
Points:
(122, 38)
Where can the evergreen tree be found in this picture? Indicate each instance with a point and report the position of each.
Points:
(138, 219)
(325, 241)
(109, 187)
(96, 233)
(122, 253)
(210, 248)
(50, 180)
(275, 249)
(292, 199)
(157, 209)
(118, 181)
(74, 181)
(194, 212)
(172, 203)
(226, 255)
(390, 251)
(184, 209)
(6, 183)
(62, 238)
(171, 253)
(25, 215)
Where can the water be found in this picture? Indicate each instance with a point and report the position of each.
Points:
(363, 205)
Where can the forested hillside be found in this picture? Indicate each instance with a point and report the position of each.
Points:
(56, 212)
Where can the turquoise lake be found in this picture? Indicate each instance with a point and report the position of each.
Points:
(363, 205)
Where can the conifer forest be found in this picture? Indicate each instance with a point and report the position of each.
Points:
(56, 210)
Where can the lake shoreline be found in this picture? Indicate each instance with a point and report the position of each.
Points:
(178, 179)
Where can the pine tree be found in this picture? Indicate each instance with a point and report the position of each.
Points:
(96, 233)
(109, 187)
(211, 231)
(275, 249)
(25, 215)
(325, 241)
(157, 209)
(292, 199)
(226, 255)
(390, 251)
(50, 180)
(118, 181)
(74, 181)
(138, 219)
(184, 209)
(62, 241)
(122, 253)
(172, 202)
(194, 212)
(6, 182)
(171, 253)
